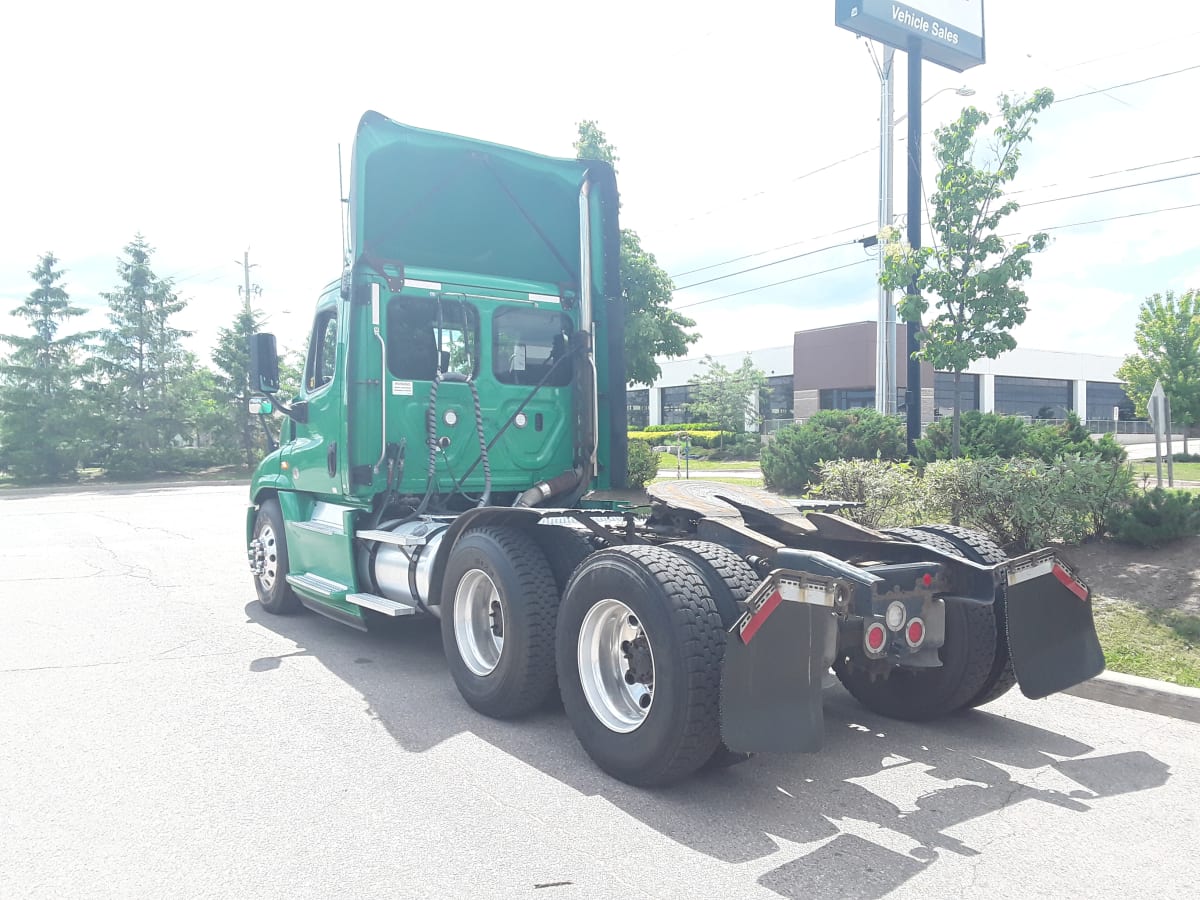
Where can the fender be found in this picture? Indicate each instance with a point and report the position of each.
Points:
(488, 515)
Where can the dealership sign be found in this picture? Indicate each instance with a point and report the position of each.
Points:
(948, 32)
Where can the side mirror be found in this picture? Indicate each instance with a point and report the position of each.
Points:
(264, 364)
(261, 406)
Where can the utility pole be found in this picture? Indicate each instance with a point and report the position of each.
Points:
(913, 391)
(885, 335)
(248, 289)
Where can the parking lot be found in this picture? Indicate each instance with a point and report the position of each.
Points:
(160, 735)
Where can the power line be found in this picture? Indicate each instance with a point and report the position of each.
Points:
(767, 265)
(1128, 84)
(902, 138)
(1148, 212)
(763, 287)
(726, 262)
(1119, 187)
(1009, 194)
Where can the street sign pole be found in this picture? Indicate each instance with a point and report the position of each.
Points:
(1166, 405)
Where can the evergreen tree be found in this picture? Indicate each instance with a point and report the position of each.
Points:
(40, 396)
(232, 380)
(141, 359)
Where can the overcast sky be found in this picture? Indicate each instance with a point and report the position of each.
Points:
(216, 129)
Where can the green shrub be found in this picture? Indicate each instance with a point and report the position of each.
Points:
(700, 440)
(739, 446)
(643, 464)
(690, 426)
(1026, 503)
(1184, 457)
(890, 492)
(789, 461)
(981, 436)
(1157, 517)
(988, 435)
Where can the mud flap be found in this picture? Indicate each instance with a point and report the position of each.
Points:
(775, 662)
(1051, 634)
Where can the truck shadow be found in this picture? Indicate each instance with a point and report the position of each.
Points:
(881, 797)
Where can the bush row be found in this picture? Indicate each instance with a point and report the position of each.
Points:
(987, 435)
(698, 439)
(1023, 503)
(690, 426)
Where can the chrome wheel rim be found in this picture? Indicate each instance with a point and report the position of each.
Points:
(479, 622)
(270, 563)
(616, 666)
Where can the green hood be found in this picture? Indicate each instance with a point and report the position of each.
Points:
(427, 200)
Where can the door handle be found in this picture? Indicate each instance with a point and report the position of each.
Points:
(331, 460)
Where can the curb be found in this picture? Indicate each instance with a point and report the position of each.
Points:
(1145, 694)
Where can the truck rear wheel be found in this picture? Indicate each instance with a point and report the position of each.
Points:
(920, 694)
(639, 650)
(730, 580)
(565, 549)
(270, 578)
(497, 619)
(978, 547)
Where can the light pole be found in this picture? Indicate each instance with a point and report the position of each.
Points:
(885, 332)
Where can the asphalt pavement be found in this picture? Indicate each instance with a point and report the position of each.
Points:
(160, 735)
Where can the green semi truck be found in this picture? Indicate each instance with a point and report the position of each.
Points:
(457, 449)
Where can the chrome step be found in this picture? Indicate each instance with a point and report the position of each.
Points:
(316, 584)
(381, 604)
(319, 527)
(390, 537)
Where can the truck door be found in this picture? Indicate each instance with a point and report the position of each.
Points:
(315, 455)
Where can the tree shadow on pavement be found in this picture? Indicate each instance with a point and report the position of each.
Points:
(881, 797)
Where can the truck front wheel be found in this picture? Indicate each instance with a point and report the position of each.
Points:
(639, 650)
(497, 612)
(270, 563)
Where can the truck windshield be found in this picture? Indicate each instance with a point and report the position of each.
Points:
(526, 345)
(415, 337)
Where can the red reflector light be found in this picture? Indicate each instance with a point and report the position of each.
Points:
(915, 633)
(927, 579)
(875, 637)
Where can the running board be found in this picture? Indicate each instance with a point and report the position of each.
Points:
(381, 604)
(315, 584)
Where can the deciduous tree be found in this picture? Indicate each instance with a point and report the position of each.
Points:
(972, 274)
(652, 329)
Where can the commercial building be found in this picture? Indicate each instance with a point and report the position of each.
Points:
(834, 368)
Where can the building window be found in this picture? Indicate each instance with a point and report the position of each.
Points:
(780, 399)
(1102, 396)
(848, 398)
(676, 404)
(1037, 398)
(943, 393)
(637, 408)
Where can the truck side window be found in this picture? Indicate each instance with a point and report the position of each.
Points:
(527, 343)
(322, 350)
(415, 338)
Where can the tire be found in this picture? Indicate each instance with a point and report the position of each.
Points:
(676, 731)
(730, 581)
(978, 547)
(921, 694)
(565, 549)
(499, 570)
(274, 593)
(729, 578)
